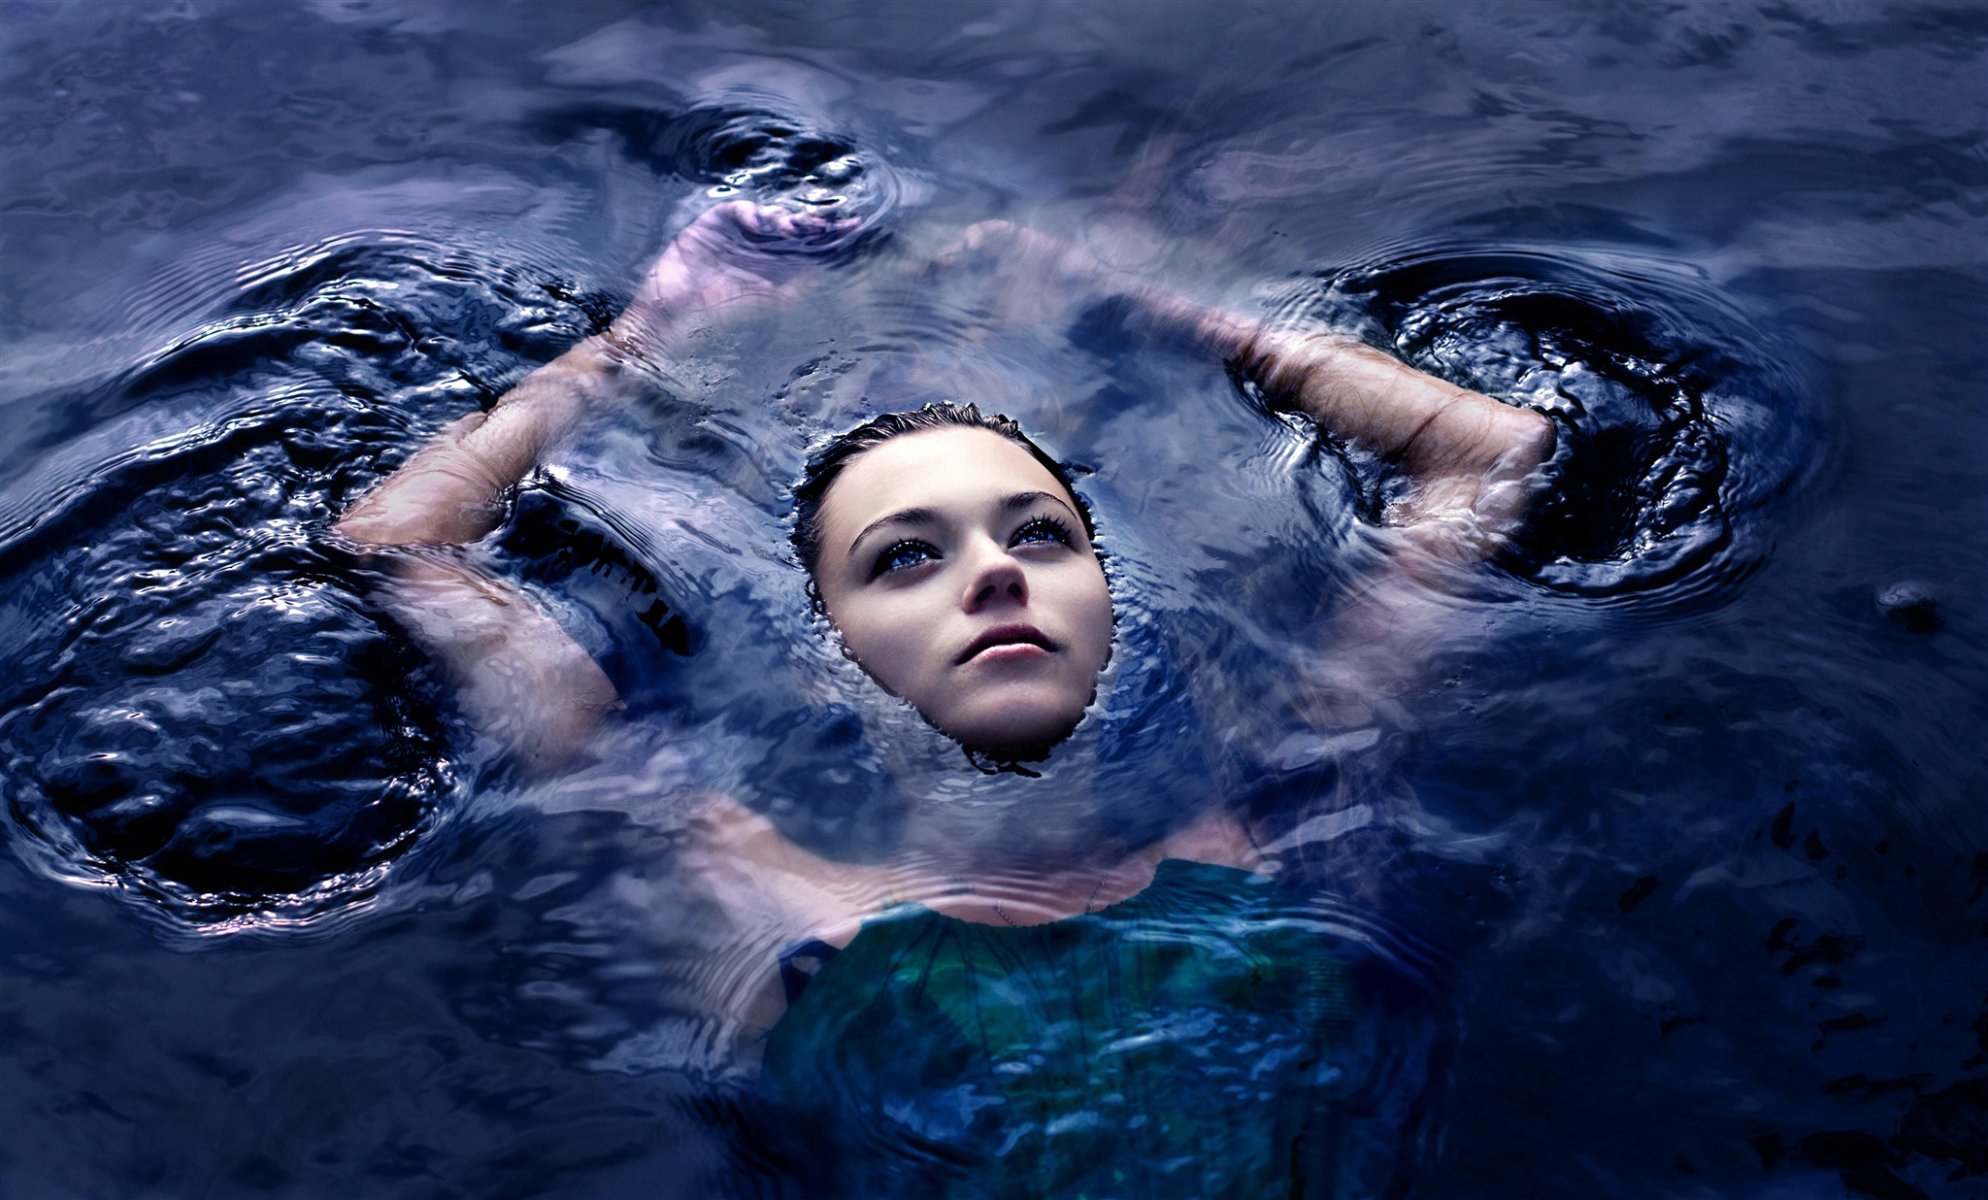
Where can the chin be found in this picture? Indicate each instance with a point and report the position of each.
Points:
(1017, 739)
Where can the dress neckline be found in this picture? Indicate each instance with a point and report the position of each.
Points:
(1166, 871)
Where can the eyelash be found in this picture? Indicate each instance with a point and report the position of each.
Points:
(1054, 526)
(889, 562)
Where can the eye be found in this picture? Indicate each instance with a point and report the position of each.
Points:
(1042, 530)
(902, 556)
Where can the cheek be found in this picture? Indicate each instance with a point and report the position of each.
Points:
(1093, 616)
(1104, 626)
(882, 638)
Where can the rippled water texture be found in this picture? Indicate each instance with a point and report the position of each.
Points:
(1688, 829)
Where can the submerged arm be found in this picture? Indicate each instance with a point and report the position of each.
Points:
(1466, 456)
(731, 257)
(450, 491)
(1471, 463)
(519, 675)
(1469, 459)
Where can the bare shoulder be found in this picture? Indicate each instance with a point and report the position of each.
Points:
(760, 875)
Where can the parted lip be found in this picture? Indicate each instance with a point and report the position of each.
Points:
(1007, 635)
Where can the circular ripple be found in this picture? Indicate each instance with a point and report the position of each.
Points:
(760, 155)
(201, 705)
(1678, 418)
(210, 716)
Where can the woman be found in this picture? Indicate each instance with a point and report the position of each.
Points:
(1014, 1016)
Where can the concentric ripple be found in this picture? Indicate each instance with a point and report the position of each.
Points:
(741, 150)
(1678, 417)
(202, 707)
(204, 711)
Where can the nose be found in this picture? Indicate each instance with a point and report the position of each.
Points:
(996, 578)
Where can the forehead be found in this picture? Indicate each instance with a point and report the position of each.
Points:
(934, 468)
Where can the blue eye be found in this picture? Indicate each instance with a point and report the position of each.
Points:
(1039, 530)
(899, 556)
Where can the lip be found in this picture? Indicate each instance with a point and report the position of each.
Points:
(1001, 637)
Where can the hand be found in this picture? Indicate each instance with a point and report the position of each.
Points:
(736, 252)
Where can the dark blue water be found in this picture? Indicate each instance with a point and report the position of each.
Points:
(1691, 818)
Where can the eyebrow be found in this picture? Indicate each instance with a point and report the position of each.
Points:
(923, 516)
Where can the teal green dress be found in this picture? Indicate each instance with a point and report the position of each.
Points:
(1201, 1039)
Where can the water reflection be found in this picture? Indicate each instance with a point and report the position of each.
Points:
(663, 548)
(1686, 832)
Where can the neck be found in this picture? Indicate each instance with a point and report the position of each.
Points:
(1010, 839)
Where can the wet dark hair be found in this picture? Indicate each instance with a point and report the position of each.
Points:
(827, 461)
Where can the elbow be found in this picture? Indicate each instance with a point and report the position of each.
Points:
(375, 525)
(1512, 481)
(1533, 439)
(365, 528)
(453, 502)
(1480, 438)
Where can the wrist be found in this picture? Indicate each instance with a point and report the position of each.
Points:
(653, 330)
(591, 374)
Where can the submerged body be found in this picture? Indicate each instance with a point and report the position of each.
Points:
(1000, 1017)
(1205, 1037)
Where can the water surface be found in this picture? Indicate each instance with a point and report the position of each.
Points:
(1690, 815)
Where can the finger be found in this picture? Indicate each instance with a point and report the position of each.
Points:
(729, 212)
(751, 218)
(821, 227)
(777, 223)
(816, 229)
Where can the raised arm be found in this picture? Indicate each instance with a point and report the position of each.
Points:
(519, 676)
(732, 257)
(1470, 460)
(1470, 463)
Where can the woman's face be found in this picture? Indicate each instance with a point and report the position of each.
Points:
(957, 570)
